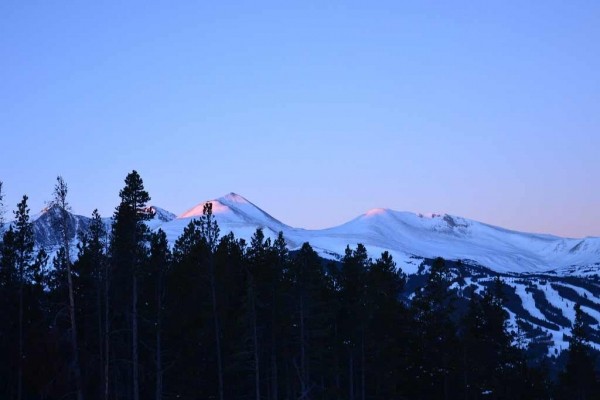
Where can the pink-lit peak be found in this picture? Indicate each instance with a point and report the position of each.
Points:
(196, 211)
(376, 211)
(219, 206)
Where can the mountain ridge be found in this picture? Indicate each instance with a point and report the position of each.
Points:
(408, 236)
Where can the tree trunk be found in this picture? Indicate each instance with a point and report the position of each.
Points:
(159, 376)
(351, 376)
(303, 377)
(60, 200)
(274, 383)
(74, 347)
(274, 378)
(217, 325)
(21, 355)
(338, 369)
(100, 331)
(134, 339)
(255, 336)
(106, 332)
(363, 364)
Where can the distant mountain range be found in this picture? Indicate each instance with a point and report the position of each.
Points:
(409, 237)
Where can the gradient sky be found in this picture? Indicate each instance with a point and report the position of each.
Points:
(315, 112)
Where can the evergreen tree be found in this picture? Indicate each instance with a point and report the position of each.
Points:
(578, 380)
(90, 271)
(159, 263)
(257, 261)
(230, 277)
(23, 242)
(62, 222)
(350, 282)
(306, 276)
(280, 266)
(8, 270)
(434, 343)
(489, 360)
(8, 314)
(1, 208)
(385, 282)
(128, 251)
(187, 310)
(209, 229)
(196, 249)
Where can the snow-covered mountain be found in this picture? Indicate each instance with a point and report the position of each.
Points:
(44, 232)
(48, 237)
(409, 237)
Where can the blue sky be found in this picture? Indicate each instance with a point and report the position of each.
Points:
(315, 112)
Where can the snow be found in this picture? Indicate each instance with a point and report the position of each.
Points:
(528, 302)
(406, 236)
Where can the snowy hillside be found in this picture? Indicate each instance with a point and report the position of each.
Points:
(541, 307)
(409, 237)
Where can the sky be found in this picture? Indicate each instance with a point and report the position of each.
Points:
(314, 111)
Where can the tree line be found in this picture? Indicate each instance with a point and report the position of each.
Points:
(215, 317)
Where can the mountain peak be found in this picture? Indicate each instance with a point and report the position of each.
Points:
(161, 214)
(229, 203)
(218, 207)
(49, 210)
(377, 211)
(233, 198)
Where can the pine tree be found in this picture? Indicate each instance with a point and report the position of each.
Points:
(23, 246)
(306, 275)
(187, 310)
(489, 360)
(351, 280)
(209, 230)
(8, 314)
(197, 248)
(384, 285)
(578, 380)
(129, 252)
(433, 346)
(279, 267)
(257, 255)
(1, 208)
(90, 269)
(160, 259)
(8, 270)
(62, 222)
(230, 277)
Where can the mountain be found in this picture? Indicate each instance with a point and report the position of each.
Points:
(409, 238)
(44, 232)
(48, 237)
